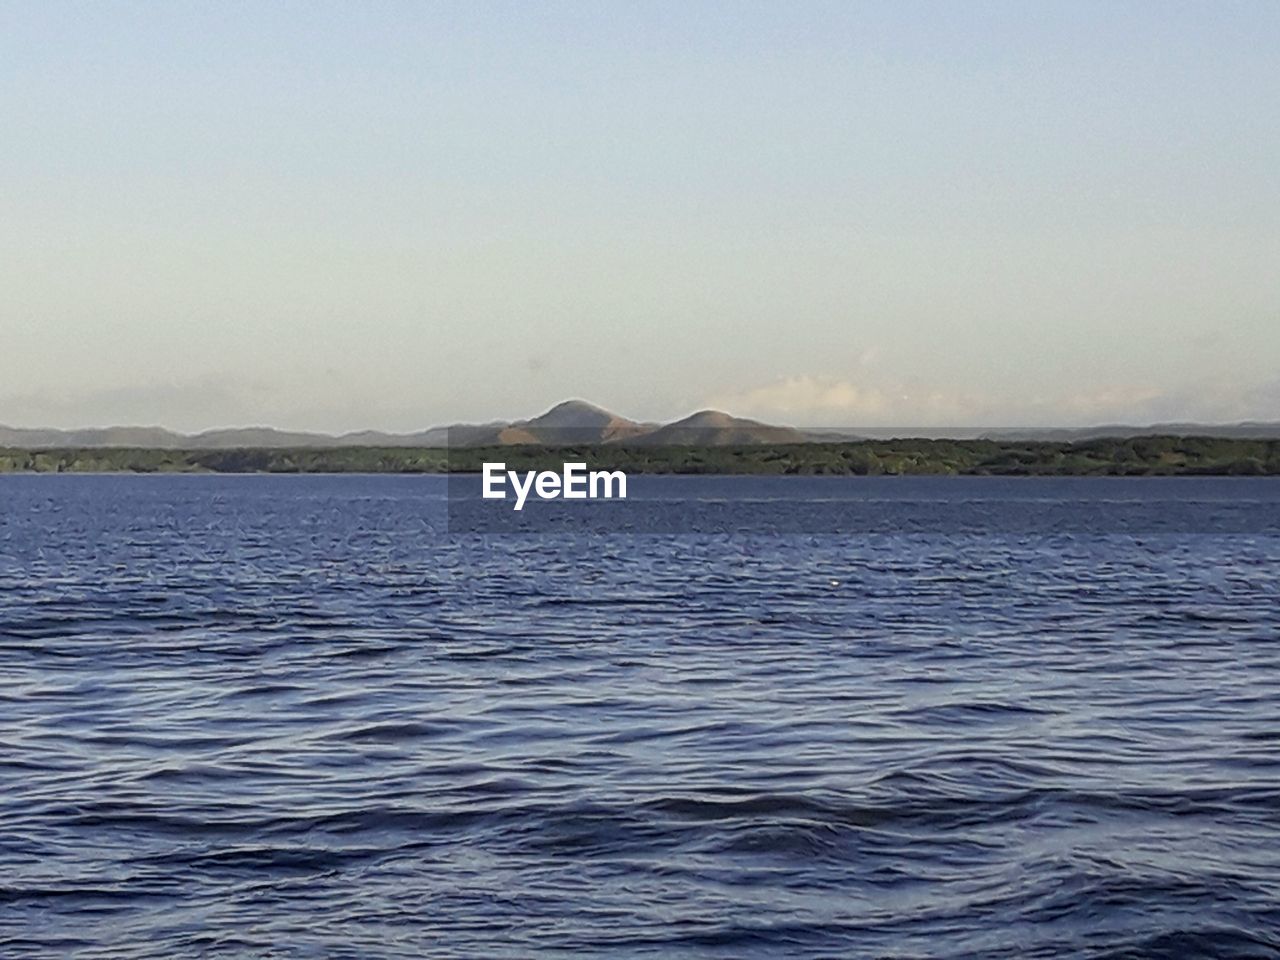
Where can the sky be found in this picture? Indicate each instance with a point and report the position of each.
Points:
(389, 215)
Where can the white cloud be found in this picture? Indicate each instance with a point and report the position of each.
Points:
(829, 401)
(806, 396)
(808, 400)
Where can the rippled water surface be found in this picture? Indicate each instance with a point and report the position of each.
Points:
(292, 717)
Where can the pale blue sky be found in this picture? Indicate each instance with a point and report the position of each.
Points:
(390, 215)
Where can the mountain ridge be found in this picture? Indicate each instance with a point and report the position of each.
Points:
(578, 422)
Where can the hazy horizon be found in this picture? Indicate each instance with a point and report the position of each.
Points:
(392, 216)
(957, 430)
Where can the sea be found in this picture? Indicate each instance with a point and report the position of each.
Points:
(323, 717)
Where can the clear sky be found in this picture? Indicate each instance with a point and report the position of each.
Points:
(390, 215)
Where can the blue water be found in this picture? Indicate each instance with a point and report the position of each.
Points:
(293, 717)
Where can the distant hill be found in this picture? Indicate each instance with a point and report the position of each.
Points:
(258, 437)
(578, 422)
(152, 437)
(712, 428)
(1248, 430)
(573, 421)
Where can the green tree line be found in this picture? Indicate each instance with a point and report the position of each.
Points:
(1137, 456)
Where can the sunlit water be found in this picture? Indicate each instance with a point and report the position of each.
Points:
(291, 717)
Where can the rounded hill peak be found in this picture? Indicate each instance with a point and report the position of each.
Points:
(708, 418)
(575, 414)
(576, 406)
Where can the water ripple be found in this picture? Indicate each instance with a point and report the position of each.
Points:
(291, 717)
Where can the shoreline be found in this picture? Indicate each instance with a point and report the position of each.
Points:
(1129, 457)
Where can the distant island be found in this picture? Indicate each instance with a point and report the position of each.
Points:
(579, 422)
(709, 442)
(570, 422)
